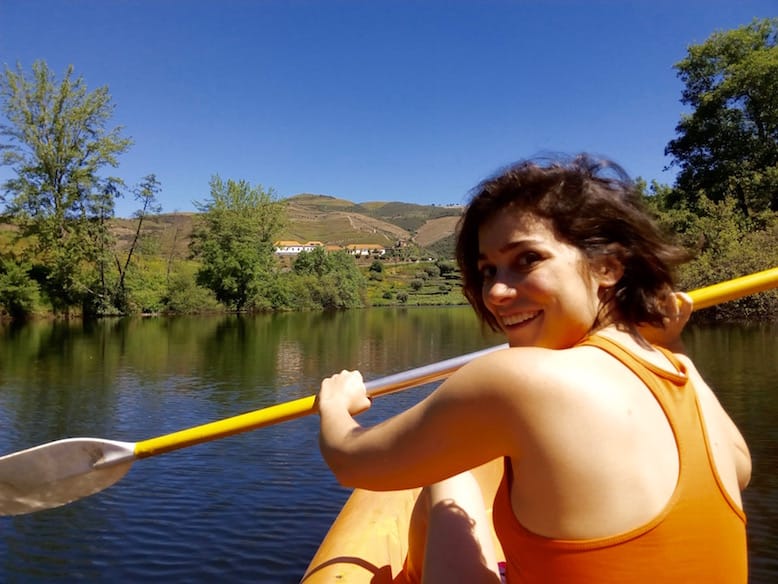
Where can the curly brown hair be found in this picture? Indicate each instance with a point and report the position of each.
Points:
(591, 204)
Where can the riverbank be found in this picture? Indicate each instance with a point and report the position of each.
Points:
(386, 283)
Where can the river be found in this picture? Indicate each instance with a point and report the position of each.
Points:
(253, 507)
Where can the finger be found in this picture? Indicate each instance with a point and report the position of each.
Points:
(685, 303)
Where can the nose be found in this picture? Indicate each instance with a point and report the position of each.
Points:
(499, 291)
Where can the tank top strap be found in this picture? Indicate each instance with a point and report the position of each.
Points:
(679, 377)
(671, 389)
(677, 397)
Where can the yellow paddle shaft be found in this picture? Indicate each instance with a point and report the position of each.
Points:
(732, 289)
(702, 297)
(227, 427)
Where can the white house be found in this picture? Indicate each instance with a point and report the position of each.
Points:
(365, 249)
(292, 247)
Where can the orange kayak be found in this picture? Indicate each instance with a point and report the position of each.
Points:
(368, 541)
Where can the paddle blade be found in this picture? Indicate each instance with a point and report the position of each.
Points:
(57, 473)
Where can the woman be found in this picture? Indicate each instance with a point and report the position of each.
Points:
(620, 463)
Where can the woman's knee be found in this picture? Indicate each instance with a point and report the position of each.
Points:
(450, 535)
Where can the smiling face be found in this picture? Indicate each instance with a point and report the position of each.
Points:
(541, 291)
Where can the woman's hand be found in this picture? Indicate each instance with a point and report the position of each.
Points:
(343, 391)
(679, 310)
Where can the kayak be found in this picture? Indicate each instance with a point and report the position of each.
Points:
(368, 541)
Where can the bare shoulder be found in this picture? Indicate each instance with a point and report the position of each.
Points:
(529, 377)
(527, 366)
(534, 360)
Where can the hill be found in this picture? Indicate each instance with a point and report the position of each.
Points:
(322, 218)
(340, 221)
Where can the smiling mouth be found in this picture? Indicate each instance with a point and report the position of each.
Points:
(517, 319)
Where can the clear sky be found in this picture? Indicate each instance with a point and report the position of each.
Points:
(372, 100)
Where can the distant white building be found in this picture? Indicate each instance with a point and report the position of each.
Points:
(292, 247)
(365, 249)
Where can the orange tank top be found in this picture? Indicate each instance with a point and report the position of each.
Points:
(700, 536)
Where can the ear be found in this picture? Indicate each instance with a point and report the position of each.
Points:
(608, 268)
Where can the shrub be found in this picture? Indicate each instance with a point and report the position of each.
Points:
(19, 293)
(184, 296)
(433, 271)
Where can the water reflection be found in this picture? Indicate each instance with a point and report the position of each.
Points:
(254, 507)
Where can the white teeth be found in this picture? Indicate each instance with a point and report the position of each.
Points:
(518, 318)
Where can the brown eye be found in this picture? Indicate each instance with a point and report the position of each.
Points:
(529, 258)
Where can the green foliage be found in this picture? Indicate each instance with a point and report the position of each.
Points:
(19, 294)
(446, 267)
(277, 294)
(724, 201)
(57, 144)
(402, 284)
(725, 245)
(146, 194)
(728, 144)
(62, 254)
(432, 270)
(316, 262)
(408, 252)
(328, 280)
(726, 250)
(234, 241)
(145, 286)
(184, 296)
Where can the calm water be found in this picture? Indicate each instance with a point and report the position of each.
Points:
(253, 507)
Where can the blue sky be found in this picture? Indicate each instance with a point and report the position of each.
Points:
(400, 100)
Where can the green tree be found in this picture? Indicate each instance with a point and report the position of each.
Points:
(446, 267)
(147, 195)
(728, 144)
(316, 262)
(725, 250)
(347, 278)
(57, 143)
(18, 293)
(235, 241)
(184, 296)
(328, 280)
(432, 270)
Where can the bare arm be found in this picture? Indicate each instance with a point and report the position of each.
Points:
(462, 424)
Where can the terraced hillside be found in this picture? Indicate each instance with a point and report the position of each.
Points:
(322, 218)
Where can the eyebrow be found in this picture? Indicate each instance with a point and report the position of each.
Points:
(511, 245)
